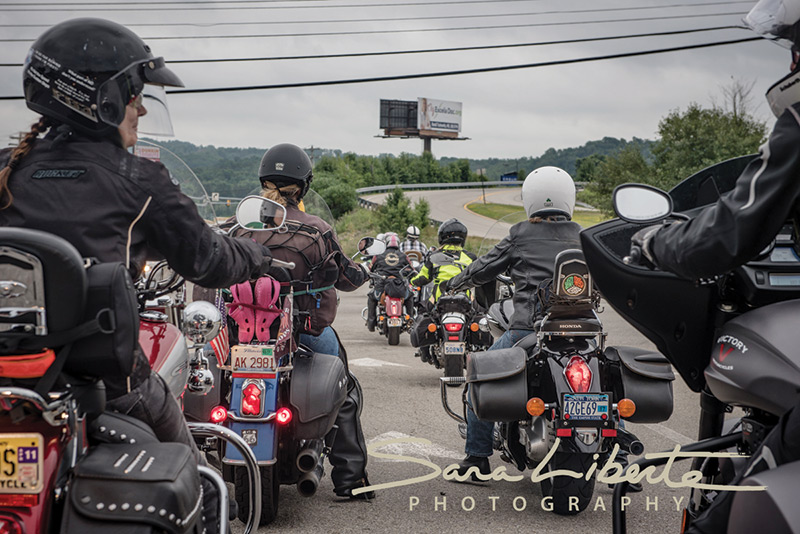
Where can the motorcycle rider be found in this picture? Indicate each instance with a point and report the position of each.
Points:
(392, 263)
(413, 242)
(320, 268)
(449, 260)
(527, 254)
(740, 224)
(90, 79)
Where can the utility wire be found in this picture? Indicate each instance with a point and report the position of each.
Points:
(448, 73)
(396, 19)
(412, 30)
(437, 50)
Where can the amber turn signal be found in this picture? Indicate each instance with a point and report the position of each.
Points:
(626, 408)
(535, 406)
(474, 327)
(431, 327)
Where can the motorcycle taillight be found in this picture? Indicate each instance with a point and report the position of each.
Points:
(9, 525)
(579, 376)
(283, 415)
(453, 327)
(218, 414)
(252, 399)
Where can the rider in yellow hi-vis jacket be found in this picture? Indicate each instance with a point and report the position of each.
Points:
(446, 262)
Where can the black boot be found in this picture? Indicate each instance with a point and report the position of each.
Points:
(481, 462)
(348, 454)
(372, 314)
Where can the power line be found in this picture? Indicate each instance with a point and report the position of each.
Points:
(412, 30)
(437, 50)
(449, 73)
(398, 19)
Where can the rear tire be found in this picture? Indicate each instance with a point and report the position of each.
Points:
(561, 488)
(453, 366)
(270, 489)
(394, 335)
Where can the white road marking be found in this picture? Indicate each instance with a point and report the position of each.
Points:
(370, 362)
(419, 450)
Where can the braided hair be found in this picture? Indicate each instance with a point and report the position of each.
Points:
(21, 150)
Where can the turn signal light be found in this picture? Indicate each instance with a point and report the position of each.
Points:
(218, 414)
(431, 328)
(626, 408)
(380, 317)
(474, 327)
(535, 406)
(283, 415)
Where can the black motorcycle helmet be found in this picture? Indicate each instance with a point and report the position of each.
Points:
(286, 164)
(452, 232)
(84, 72)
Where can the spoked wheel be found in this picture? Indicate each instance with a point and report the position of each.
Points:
(562, 488)
(270, 489)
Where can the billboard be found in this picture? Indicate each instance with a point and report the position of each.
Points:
(439, 115)
(398, 114)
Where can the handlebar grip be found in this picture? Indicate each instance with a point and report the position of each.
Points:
(284, 264)
(634, 257)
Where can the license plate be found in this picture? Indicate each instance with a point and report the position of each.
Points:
(393, 321)
(252, 357)
(585, 406)
(453, 348)
(21, 463)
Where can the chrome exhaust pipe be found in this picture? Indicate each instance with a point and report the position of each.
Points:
(310, 456)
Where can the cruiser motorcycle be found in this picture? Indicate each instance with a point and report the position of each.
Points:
(561, 393)
(732, 338)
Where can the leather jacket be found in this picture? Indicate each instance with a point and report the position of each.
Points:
(743, 221)
(320, 265)
(391, 263)
(527, 254)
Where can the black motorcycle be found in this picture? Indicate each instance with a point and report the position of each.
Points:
(733, 338)
(559, 394)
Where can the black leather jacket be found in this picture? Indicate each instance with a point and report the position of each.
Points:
(745, 220)
(527, 254)
(114, 206)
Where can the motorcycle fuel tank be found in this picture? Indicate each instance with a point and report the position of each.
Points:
(755, 361)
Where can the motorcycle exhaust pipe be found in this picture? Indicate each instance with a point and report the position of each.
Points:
(629, 442)
(308, 483)
(310, 456)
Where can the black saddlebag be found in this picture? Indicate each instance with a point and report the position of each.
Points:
(318, 389)
(498, 384)
(420, 335)
(134, 489)
(646, 378)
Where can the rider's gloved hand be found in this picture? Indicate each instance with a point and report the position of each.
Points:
(643, 239)
(266, 261)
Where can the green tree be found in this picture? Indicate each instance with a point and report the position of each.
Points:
(395, 215)
(338, 194)
(628, 165)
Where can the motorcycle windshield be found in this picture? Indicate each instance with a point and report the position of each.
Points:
(183, 176)
(313, 204)
(706, 186)
(500, 229)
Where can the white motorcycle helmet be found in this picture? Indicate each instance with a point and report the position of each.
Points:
(412, 232)
(779, 21)
(548, 191)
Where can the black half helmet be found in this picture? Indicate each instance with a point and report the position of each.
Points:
(452, 232)
(84, 72)
(286, 164)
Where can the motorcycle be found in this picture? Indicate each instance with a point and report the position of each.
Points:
(281, 398)
(391, 318)
(730, 338)
(561, 393)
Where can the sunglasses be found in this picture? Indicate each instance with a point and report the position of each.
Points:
(136, 101)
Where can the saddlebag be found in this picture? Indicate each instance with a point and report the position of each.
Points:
(420, 335)
(318, 390)
(498, 385)
(111, 299)
(397, 288)
(646, 378)
(134, 489)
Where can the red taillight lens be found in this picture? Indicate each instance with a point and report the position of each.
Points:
(578, 374)
(251, 399)
(9, 525)
(283, 415)
(218, 414)
(453, 327)
(16, 500)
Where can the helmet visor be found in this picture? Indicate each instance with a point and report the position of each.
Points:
(156, 121)
(775, 20)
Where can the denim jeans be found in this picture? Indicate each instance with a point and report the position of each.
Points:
(325, 343)
(480, 434)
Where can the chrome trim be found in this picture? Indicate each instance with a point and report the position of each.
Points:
(443, 381)
(222, 488)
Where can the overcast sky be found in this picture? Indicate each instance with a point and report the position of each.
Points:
(512, 113)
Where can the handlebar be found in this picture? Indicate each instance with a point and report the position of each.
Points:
(284, 264)
(634, 257)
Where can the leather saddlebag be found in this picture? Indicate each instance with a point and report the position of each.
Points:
(646, 378)
(420, 335)
(498, 384)
(318, 390)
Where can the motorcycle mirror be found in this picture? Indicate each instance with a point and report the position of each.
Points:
(642, 204)
(259, 213)
(201, 321)
(369, 246)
